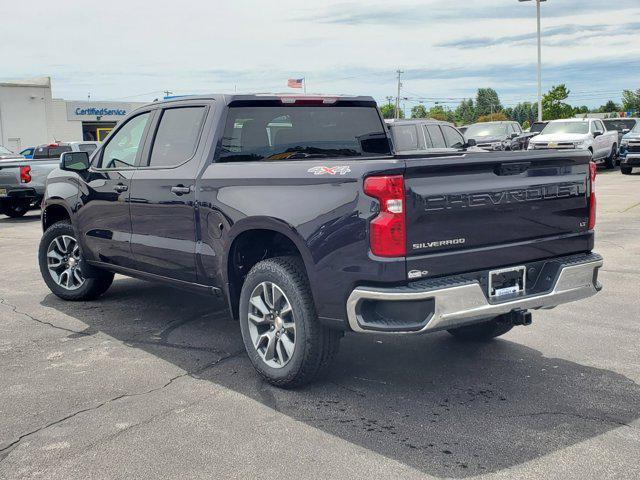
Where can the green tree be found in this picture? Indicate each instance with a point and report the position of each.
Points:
(553, 103)
(581, 110)
(419, 111)
(495, 117)
(466, 112)
(523, 112)
(609, 107)
(631, 100)
(388, 111)
(438, 112)
(487, 102)
(526, 125)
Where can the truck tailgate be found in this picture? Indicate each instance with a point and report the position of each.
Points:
(481, 210)
(9, 174)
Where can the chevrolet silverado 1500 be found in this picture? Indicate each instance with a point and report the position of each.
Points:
(587, 134)
(295, 210)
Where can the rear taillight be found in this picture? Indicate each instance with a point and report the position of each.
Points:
(387, 231)
(592, 195)
(25, 174)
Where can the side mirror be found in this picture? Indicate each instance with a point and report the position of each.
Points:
(471, 143)
(74, 161)
(625, 130)
(514, 135)
(597, 133)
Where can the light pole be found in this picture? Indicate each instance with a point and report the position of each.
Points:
(539, 58)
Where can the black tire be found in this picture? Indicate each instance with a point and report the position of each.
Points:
(626, 170)
(610, 161)
(315, 345)
(14, 209)
(90, 289)
(482, 332)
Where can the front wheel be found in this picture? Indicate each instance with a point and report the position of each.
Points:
(15, 209)
(284, 340)
(482, 332)
(625, 169)
(610, 161)
(60, 260)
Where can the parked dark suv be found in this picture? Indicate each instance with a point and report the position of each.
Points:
(498, 136)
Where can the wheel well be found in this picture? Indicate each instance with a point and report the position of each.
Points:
(54, 214)
(249, 248)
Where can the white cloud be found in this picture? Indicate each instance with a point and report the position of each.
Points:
(124, 48)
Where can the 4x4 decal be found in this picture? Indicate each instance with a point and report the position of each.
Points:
(324, 170)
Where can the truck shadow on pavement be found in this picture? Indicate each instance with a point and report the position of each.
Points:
(443, 407)
(26, 219)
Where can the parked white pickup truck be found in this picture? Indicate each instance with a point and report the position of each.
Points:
(579, 134)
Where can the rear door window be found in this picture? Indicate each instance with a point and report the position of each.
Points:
(177, 136)
(298, 132)
(405, 137)
(436, 136)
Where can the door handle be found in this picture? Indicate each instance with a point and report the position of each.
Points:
(180, 190)
(120, 188)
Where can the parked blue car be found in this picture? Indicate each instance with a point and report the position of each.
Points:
(28, 152)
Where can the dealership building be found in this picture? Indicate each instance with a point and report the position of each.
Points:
(30, 116)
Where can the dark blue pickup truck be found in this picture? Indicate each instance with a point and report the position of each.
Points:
(297, 212)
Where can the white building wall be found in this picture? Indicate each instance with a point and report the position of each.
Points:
(30, 117)
(24, 108)
(63, 130)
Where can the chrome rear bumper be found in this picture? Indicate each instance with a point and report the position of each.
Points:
(463, 302)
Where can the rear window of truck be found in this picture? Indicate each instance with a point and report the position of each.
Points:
(270, 133)
(50, 151)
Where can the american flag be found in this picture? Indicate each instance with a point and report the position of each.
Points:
(295, 82)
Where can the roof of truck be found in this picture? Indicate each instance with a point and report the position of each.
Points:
(292, 97)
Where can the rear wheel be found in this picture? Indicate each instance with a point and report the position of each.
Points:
(15, 209)
(482, 332)
(610, 161)
(285, 342)
(626, 170)
(60, 260)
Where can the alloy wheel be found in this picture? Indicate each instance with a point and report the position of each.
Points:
(63, 262)
(272, 325)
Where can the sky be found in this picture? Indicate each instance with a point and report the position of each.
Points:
(134, 50)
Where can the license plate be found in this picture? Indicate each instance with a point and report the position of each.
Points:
(507, 281)
(3, 192)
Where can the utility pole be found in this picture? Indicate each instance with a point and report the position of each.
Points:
(167, 93)
(389, 98)
(397, 115)
(539, 57)
(539, 64)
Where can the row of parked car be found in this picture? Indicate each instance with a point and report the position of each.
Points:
(610, 141)
(23, 176)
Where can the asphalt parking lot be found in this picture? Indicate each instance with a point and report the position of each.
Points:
(150, 382)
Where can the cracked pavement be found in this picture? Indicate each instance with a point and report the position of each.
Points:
(150, 382)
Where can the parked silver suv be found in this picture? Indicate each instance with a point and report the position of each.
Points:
(425, 135)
